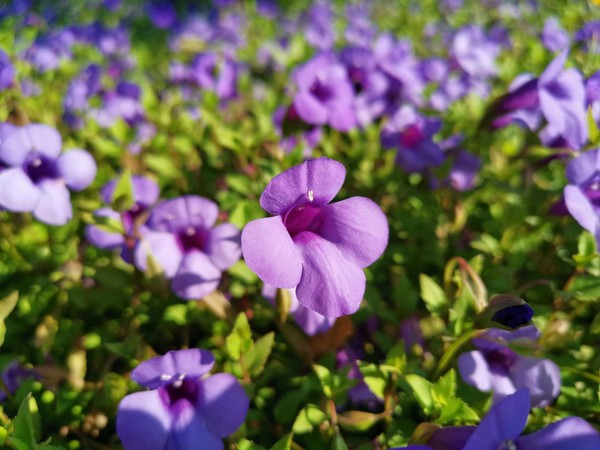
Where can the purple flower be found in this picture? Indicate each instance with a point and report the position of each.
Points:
(311, 245)
(215, 73)
(589, 34)
(190, 250)
(309, 321)
(308, 137)
(13, 375)
(325, 94)
(360, 394)
(145, 194)
(554, 37)
(494, 366)
(582, 194)
(7, 71)
(183, 407)
(162, 13)
(502, 427)
(35, 174)
(558, 95)
(320, 32)
(412, 135)
(474, 52)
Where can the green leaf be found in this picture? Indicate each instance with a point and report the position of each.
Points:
(27, 427)
(7, 304)
(309, 417)
(245, 444)
(374, 378)
(586, 287)
(594, 134)
(422, 390)
(257, 357)
(444, 389)
(240, 339)
(176, 314)
(123, 198)
(338, 443)
(285, 443)
(456, 410)
(432, 294)
(358, 421)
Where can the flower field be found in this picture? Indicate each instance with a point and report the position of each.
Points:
(291, 225)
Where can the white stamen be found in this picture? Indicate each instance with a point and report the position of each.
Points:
(595, 186)
(165, 377)
(311, 195)
(190, 231)
(37, 162)
(177, 384)
(169, 217)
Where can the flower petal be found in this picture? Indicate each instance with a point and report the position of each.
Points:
(554, 68)
(221, 390)
(583, 167)
(580, 207)
(163, 247)
(193, 362)
(17, 191)
(179, 213)
(190, 432)
(77, 168)
(145, 190)
(310, 109)
(541, 376)
(104, 239)
(571, 433)
(270, 252)
(323, 176)
(357, 227)
(143, 422)
(197, 276)
(475, 371)
(223, 246)
(505, 420)
(330, 285)
(54, 205)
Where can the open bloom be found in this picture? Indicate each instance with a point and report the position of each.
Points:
(311, 245)
(35, 175)
(582, 194)
(184, 409)
(495, 366)
(193, 253)
(502, 427)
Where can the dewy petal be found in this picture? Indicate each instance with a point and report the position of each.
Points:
(222, 403)
(223, 246)
(197, 276)
(571, 433)
(193, 363)
(310, 109)
(330, 285)
(17, 191)
(187, 211)
(163, 247)
(541, 376)
(583, 167)
(357, 227)
(270, 252)
(54, 205)
(77, 168)
(580, 208)
(475, 371)
(101, 238)
(323, 176)
(143, 422)
(505, 420)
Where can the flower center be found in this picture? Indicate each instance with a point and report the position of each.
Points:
(500, 359)
(180, 394)
(411, 136)
(40, 167)
(192, 239)
(304, 217)
(508, 445)
(321, 90)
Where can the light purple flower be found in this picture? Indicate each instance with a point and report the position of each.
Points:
(501, 429)
(412, 135)
(582, 194)
(181, 236)
(319, 19)
(294, 132)
(309, 321)
(325, 95)
(36, 175)
(311, 245)
(554, 37)
(474, 52)
(162, 13)
(494, 366)
(559, 95)
(184, 408)
(215, 73)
